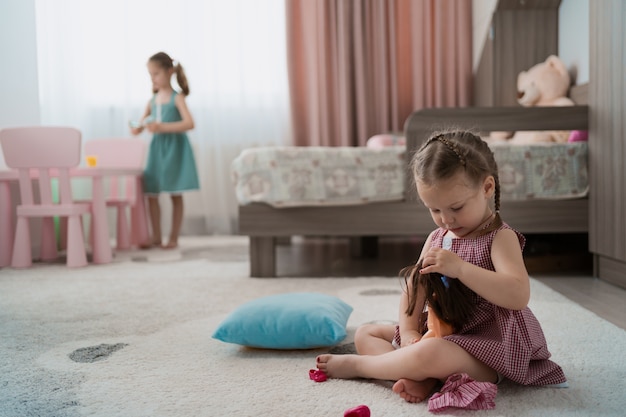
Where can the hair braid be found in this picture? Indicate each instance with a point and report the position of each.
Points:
(496, 195)
(461, 150)
(453, 148)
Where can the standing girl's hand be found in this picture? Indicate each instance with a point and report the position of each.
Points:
(154, 127)
(136, 130)
(442, 261)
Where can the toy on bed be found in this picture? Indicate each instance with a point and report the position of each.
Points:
(448, 302)
(545, 84)
(386, 139)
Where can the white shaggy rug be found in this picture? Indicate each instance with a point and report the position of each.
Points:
(133, 338)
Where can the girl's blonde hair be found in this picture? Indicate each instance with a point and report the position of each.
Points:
(446, 153)
(164, 61)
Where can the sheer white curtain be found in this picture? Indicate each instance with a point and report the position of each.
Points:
(92, 71)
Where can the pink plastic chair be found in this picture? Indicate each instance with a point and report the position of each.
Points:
(119, 153)
(44, 153)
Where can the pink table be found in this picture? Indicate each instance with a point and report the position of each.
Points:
(102, 251)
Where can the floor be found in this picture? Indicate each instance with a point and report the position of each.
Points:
(567, 270)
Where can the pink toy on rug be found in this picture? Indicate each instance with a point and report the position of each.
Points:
(317, 375)
(358, 411)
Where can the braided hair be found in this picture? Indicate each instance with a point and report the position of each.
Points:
(446, 153)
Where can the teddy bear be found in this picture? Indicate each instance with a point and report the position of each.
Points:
(545, 84)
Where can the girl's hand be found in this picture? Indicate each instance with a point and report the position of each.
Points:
(136, 130)
(409, 337)
(442, 261)
(154, 127)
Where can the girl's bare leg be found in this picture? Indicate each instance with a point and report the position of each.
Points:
(155, 221)
(414, 366)
(374, 339)
(177, 221)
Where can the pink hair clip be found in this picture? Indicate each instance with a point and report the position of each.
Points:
(317, 375)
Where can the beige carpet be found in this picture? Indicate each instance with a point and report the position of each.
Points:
(133, 338)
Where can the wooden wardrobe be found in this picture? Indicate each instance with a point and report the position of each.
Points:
(607, 139)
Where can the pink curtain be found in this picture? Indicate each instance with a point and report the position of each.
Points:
(360, 67)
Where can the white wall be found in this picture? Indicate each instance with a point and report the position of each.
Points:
(481, 24)
(19, 91)
(573, 34)
(574, 38)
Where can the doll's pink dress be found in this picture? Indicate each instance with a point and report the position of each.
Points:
(509, 341)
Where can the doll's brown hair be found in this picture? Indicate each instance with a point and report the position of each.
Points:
(449, 299)
(164, 61)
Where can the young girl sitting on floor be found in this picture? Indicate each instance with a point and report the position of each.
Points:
(457, 178)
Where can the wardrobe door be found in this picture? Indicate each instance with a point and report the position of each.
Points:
(521, 35)
(607, 139)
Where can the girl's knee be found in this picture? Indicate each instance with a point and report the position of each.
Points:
(430, 350)
(362, 333)
(374, 338)
(441, 358)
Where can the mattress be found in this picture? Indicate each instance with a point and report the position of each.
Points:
(313, 176)
(542, 171)
(325, 176)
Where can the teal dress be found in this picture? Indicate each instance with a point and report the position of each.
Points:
(171, 167)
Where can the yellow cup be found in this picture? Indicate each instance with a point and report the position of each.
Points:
(92, 160)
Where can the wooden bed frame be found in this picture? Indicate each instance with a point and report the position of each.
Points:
(265, 224)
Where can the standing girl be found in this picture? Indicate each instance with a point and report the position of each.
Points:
(171, 167)
(480, 258)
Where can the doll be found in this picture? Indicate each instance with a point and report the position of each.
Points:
(448, 302)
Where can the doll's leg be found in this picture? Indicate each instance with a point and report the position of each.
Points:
(374, 339)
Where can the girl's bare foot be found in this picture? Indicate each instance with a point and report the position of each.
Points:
(338, 366)
(149, 245)
(414, 391)
(170, 245)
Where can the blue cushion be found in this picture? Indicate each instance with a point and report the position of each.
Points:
(287, 321)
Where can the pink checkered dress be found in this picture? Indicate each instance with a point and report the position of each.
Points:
(509, 341)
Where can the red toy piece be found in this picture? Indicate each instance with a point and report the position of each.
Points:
(358, 411)
(317, 375)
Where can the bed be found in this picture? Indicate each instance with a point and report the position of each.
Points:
(403, 215)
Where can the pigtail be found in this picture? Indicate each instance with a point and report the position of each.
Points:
(181, 78)
(493, 167)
